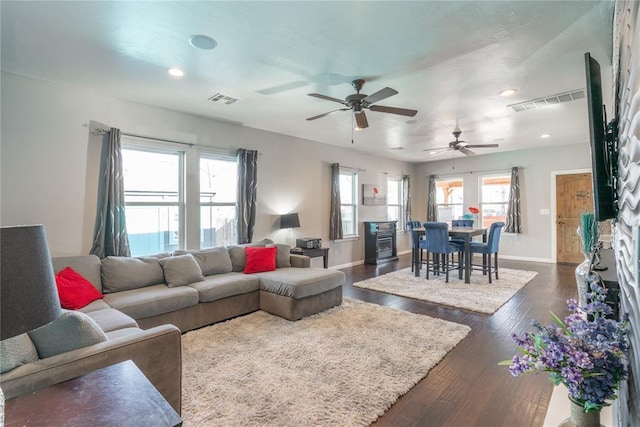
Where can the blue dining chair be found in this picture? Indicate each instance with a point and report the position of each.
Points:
(489, 248)
(460, 223)
(410, 226)
(437, 243)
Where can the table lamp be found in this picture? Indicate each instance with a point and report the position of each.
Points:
(289, 220)
(28, 294)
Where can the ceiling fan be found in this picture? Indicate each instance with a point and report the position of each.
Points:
(358, 102)
(458, 145)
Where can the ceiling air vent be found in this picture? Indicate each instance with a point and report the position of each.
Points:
(223, 99)
(548, 100)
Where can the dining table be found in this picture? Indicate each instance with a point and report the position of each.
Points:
(465, 233)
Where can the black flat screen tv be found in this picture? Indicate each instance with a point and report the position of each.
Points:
(602, 148)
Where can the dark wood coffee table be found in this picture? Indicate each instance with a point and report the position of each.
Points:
(118, 395)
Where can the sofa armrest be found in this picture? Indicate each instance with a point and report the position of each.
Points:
(156, 352)
(300, 261)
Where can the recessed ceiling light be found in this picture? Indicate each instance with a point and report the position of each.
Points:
(545, 135)
(507, 92)
(411, 122)
(175, 72)
(202, 42)
(357, 128)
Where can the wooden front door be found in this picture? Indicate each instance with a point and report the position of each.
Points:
(573, 197)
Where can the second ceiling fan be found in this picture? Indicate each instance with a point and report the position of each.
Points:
(358, 102)
(458, 145)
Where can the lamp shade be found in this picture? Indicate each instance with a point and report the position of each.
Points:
(28, 293)
(289, 220)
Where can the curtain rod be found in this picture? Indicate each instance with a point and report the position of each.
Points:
(101, 131)
(352, 168)
(480, 171)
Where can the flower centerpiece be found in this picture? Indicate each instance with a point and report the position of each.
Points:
(585, 352)
(472, 215)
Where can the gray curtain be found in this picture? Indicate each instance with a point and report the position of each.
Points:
(335, 214)
(247, 193)
(432, 200)
(110, 233)
(514, 220)
(406, 200)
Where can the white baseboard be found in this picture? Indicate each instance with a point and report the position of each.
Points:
(523, 258)
(350, 264)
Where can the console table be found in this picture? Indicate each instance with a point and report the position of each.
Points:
(312, 253)
(118, 395)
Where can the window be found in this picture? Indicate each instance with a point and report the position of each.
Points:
(349, 202)
(217, 202)
(395, 207)
(494, 198)
(449, 197)
(154, 199)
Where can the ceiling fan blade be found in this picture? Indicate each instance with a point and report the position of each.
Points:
(437, 153)
(326, 114)
(393, 110)
(483, 146)
(379, 95)
(361, 120)
(436, 149)
(467, 152)
(328, 98)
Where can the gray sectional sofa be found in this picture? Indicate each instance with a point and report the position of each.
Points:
(149, 301)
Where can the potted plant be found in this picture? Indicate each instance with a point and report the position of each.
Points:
(586, 352)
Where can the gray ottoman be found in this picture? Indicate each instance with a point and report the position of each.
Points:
(294, 293)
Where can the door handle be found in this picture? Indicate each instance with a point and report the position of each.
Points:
(560, 222)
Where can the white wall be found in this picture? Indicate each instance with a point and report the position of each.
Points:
(50, 168)
(538, 165)
(50, 163)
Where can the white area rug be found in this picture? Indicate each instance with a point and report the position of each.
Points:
(344, 366)
(478, 295)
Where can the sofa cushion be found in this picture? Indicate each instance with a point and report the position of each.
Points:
(70, 331)
(86, 265)
(260, 259)
(74, 290)
(225, 285)
(211, 261)
(283, 256)
(152, 300)
(16, 351)
(238, 255)
(98, 304)
(300, 282)
(124, 273)
(111, 319)
(180, 270)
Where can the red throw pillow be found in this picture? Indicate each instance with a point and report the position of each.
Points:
(74, 290)
(260, 259)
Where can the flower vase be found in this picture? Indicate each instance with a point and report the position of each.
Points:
(583, 276)
(579, 418)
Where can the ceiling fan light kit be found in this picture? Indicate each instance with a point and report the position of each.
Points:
(358, 102)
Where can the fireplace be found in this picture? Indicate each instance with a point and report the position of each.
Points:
(380, 242)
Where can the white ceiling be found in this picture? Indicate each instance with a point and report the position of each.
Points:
(447, 59)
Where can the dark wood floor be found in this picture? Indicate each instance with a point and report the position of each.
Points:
(467, 388)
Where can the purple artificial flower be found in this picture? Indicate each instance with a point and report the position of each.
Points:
(585, 352)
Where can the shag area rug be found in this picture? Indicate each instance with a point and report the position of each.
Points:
(478, 295)
(344, 366)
